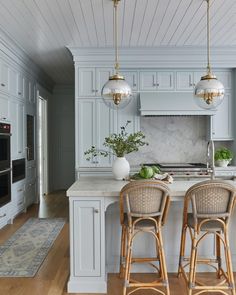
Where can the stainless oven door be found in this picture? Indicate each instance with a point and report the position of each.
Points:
(5, 186)
(5, 151)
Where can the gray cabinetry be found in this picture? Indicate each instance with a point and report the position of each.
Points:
(153, 80)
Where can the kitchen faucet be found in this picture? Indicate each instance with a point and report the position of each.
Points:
(211, 158)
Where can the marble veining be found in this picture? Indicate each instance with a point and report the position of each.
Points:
(173, 139)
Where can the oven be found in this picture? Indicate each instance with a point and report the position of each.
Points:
(5, 163)
(5, 186)
(5, 147)
(18, 170)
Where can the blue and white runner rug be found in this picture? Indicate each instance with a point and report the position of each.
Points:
(24, 252)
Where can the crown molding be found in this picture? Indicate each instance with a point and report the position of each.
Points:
(165, 57)
(12, 51)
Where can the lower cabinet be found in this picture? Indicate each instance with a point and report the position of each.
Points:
(5, 214)
(86, 218)
(30, 193)
(18, 197)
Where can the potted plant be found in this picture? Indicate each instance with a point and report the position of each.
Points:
(223, 156)
(119, 145)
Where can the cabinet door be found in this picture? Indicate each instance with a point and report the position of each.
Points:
(20, 130)
(225, 78)
(222, 121)
(30, 193)
(129, 113)
(4, 108)
(87, 82)
(32, 91)
(197, 76)
(18, 197)
(4, 76)
(26, 89)
(165, 80)
(86, 134)
(87, 235)
(104, 127)
(148, 81)
(20, 85)
(131, 78)
(102, 76)
(13, 82)
(184, 81)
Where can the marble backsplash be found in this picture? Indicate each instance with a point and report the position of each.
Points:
(173, 139)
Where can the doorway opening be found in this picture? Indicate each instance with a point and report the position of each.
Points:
(42, 146)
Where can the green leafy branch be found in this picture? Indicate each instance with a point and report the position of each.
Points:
(119, 144)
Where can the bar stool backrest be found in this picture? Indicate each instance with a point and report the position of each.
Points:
(144, 198)
(211, 199)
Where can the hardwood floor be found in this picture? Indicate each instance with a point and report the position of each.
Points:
(51, 279)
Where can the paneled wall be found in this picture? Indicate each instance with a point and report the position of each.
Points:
(61, 138)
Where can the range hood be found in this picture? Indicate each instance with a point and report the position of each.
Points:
(170, 103)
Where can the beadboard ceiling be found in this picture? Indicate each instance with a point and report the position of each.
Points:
(42, 28)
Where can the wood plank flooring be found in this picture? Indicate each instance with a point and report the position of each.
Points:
(52, 277)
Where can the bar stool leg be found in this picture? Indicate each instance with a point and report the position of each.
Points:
(158, 256)
(229, 262)
(182, 248)
(122, 251)
(218, 254)
(192, 267)
(127, 261)
(163, 262)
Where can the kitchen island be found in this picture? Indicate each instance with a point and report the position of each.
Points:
(95, 232)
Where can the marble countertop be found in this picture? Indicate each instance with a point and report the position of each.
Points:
(109, 187)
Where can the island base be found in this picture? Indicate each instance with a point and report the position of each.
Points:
(77, 285)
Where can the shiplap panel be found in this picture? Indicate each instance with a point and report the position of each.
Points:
(157, 21)
(149, 15)
(138, 21)
(97, 8)
(176, 21)
(129, 12)
(88, 13)
(43, 28)
(166, 21)
(80, 22)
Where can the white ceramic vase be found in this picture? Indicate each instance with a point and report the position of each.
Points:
(120, 168)
(222, 163)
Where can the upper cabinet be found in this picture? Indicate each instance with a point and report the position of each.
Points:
(221, 124)
(153, 80)
(20, 85)
(4, 76)
(187, 80)
(91, 80)
(131, 77)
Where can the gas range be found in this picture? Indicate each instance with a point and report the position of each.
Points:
(183, 169)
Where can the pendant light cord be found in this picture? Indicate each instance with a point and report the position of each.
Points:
(115, 18)
(208, 37)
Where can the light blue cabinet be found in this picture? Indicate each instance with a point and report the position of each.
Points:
(131, 77)
(153, 80)
(91, 80)
(221, 124)
(187, 80)
(97, 121)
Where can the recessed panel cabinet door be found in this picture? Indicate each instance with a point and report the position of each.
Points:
(102, 76)
(86, 130)
(4, 76)
(87, 238)
(105, 127)
(87, 82)
(184, 80)
(222, 123)
(20, 130)
(165, 80)
(148, 81)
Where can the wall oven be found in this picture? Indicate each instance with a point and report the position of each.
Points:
(5, 148)
(5, 163)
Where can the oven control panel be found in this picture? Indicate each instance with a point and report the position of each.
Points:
(5, 128)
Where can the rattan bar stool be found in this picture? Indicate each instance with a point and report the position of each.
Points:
(211, 202)
(143, 208)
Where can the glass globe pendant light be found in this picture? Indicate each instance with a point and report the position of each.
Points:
(116, 92)
(209, 92)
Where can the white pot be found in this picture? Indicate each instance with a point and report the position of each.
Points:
(222, 163)
(120, 168)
